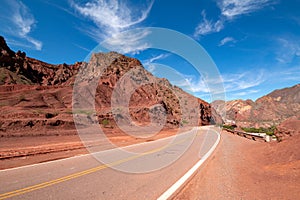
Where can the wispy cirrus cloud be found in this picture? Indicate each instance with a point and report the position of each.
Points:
(291, 74)
(149, 62)
(158, 57)
(227, 40)
(111, 17)
(240, 85)
(82, 47)
(127, 42)
(287, 50)
(233, 83)
(234, 8)
(18, 22)
(285, 74)
(192, 84)
(230, 9)
(245, 93)
(242, 81)
(208, 26)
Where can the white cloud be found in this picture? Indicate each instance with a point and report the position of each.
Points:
(149, 63)
(231, 82)
(208, 26)
(245, 93)
(128, 41)
(287, 50)
(291, 74)
(234, 8)
(159, 57)
(236, 82)
(19, 23)
(193, 85)
(82, 47)
(230, 9)
(285, 74)
(22, 18)
(37, 44)
(227, 40)
(111, 17)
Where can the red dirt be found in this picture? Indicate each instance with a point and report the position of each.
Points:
(246, 169)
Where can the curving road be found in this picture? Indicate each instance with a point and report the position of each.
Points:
(141, 171)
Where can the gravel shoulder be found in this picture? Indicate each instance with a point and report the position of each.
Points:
(245, 169)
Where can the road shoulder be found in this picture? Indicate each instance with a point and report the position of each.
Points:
(244, 169)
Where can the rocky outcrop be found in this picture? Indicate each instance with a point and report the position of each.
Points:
(17, 68)
(38, 97)
(289, 127)
(269, 110)
(124, 81)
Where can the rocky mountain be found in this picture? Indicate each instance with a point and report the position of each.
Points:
(17, 68)
(269, 110)
(37, 97)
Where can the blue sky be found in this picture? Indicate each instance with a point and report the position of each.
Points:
(255, 44)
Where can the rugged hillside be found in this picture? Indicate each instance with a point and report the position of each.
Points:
(17, 68)
(266, 111)
(36, 97)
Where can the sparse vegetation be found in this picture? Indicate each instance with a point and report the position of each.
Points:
(268, 131)
(87, 112)
(219, 125)
(69, 112)
(2, 77)
(105, 122)
(4, 104)
(185, 121)
(231, 127)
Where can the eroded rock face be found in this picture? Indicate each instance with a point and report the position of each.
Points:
(38, 97)
(17, 68)
(289, 127)
(127, 83)
(269, 110)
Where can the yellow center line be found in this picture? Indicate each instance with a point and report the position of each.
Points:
(82, 173)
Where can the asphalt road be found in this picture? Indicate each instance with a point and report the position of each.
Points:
(142, 171)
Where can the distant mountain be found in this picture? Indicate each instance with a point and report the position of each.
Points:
(269, 110)
(37, 96)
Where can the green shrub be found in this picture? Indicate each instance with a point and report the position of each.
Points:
(231, 127)
(105, 122)
(185, 121)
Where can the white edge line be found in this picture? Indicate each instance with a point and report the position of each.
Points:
(167, 194)
(91, 154)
